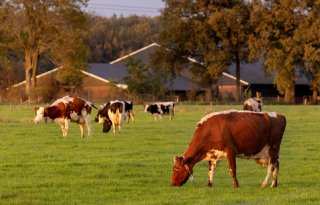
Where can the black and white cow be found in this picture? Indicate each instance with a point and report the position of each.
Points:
(253, 104)
(112, 114)
(128, 109)
(160, 108)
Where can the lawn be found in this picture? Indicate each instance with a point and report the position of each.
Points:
(39, 166)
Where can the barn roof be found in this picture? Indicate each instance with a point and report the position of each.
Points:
(253, 73)
(116, 70)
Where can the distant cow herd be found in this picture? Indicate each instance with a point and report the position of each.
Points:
(248, 133)
(111, 114)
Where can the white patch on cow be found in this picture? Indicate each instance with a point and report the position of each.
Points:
(208, 116)
(40, 115)
(59, 120)
(101, 119)
(215, 155)
(117, 118)
(75, 117)
(65, 100)
(145, 108)
(273, 114)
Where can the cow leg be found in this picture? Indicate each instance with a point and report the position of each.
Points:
(266, 180)
(275, 174)
(131, 116)
(113, 127)
(65, 127)
(212, 167)
(88, 125)
(62, 129)
(233, 169)
(273, 168)
(81, 129)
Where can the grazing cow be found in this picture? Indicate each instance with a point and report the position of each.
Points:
(112, 114)
(103, 117)
(232, 134)
(160, 108)
(253, 104)
(67, 109)
(128, 110)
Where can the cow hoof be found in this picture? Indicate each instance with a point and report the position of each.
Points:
(209, 184)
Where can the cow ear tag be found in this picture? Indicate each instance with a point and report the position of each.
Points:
(191, 178)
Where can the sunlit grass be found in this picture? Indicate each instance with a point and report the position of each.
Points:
(39, 166)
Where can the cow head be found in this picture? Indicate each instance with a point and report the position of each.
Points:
(181, 172)
(106, 126)
(39, 114)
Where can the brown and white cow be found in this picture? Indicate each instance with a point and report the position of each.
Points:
(231, 134)
(112, 114)
(253, 104)
(67, 109)
(160, 108)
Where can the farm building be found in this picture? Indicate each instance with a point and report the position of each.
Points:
(258, 81)
(104, 81)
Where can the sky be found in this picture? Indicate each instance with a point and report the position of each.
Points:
(125, 7)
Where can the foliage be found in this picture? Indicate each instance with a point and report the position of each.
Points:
(211, 32)
(52, 30)
(39, 166)
(275, 40)
(110, 38)
(142, 79)
(138, 77)
(310, 36)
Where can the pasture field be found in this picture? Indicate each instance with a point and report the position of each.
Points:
(39, 166)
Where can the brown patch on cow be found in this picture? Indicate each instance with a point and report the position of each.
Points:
(78, 104)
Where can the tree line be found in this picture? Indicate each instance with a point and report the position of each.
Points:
(284, 35)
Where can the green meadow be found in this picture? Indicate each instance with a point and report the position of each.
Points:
(39, 166)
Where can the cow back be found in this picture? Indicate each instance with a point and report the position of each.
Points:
(244, 132)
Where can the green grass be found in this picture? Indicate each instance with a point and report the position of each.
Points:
(39, 166)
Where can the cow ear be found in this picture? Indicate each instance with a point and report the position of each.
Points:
(176, 158)
(36, 109)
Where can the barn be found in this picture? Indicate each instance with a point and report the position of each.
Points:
(105, 81)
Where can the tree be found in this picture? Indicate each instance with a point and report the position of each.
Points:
(275, 42)
(138, 80)
(116, 36)
(186, 33)
(50, 29)
(310, 35)
(230, 21)
(213, 33)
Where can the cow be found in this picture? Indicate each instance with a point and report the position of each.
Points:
(160, 108)
(67, 109)
(129, 110)
(230, 134)
(253, 104)
(103, 117)
(112, 114)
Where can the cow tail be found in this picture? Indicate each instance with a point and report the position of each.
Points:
(94, 106)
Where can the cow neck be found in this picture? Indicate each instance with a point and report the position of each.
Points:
(193, 154)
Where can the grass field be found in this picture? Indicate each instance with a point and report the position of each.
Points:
(39, 166)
